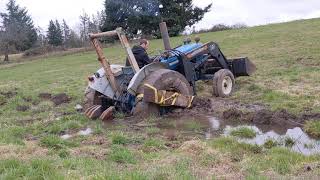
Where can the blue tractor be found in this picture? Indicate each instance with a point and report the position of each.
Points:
(160, 86)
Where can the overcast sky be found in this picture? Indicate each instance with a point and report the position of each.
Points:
(250, 12)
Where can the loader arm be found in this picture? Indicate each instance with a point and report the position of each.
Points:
(104, 61)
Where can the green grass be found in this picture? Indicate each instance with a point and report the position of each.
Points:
(243, 132)
(313, 128)
(279, 160)
(287, 58)
(193, 125)
(55, 142)
(270, 143)
(121, 154)
(289, 142)
(12, 135)
(153, 145)
(119, 138)
(36, 169)
(228, 144)
(153, 130)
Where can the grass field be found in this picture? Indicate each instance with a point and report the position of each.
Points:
(288, 77)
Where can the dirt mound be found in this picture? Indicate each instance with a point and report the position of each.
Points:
(315, 116)
(282, 118)
(56, 99)
(3, 100)
(4, 96)
(60, 99)
(9, 94)
(45, 96)
(264, 117)
(22, 108)
(200, 102)
(233, 114)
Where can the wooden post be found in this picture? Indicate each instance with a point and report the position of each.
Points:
(165, 35)
(106, 66)
(126, 46)
(103, 34)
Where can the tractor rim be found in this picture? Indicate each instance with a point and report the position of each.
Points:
(227, 85)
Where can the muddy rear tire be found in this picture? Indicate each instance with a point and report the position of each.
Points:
(223, 83)
(163, 79)
(91, 98)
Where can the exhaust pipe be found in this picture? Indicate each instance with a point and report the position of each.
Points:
(165, 35)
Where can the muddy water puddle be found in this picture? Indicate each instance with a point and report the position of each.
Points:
(210, 127)
(293, 138)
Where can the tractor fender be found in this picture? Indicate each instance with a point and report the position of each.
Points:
(142, 74)
(100, 82)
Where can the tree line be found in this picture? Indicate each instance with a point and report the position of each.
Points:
(138, 18)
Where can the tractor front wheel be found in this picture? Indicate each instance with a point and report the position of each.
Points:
(223, 83)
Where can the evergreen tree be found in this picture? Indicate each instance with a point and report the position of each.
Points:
(181, 13)
(66, 34)
(54, 34)
(143, 16)
(51, 33)
(17, 30)
(59, 34)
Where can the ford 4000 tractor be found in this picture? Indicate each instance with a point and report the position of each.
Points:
(160, 86)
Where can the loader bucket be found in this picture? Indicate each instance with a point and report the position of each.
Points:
(242, 67)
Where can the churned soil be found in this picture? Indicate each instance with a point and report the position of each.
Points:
(56, 99)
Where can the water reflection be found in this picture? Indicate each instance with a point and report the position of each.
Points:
(301, 142)
(211, 127)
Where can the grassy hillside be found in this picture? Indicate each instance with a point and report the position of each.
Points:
(288, 77)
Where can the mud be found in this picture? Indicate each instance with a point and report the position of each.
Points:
(46, 96)
(22, 108)
(246, 113)
(60, 99)
(27, 99)
(267, 117)
(56, 99)
(3, 100)
(308, 61)
(9, 94)
(4, 96)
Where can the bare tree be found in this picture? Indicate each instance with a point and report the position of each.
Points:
(84, 26)
(66, 33)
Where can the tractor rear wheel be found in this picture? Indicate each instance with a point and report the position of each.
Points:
(163, 79)
(92, 103)
(223, 83)
(91, 98)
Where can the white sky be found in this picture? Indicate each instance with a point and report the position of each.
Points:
(250, 12)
